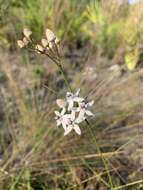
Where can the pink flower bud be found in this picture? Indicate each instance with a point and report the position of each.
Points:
(44, 42)
(50, 35)
(27, 32)
(25, 41)
(20, 43)
(61, 103)
(39, 48)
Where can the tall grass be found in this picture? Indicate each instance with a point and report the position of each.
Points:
(57, 15)
(115, 26)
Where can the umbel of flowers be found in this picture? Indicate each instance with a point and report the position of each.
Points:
(48, 45)
(73, 110)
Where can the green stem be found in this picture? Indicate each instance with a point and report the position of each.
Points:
(65, 77)
(59, 65)
(102, 157)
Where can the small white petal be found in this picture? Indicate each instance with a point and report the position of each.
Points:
(58, 122)
(82, 112)
(76, 109)
(64, 126)
(90, 103)
(89, 113)
(63, 111)
(66, 119)
(57, 113)
(68, 130)
(70, 105)
(77, 129)
(77, 92)
(72, 115)
(80, 118)
(78, 99)
(69, 95)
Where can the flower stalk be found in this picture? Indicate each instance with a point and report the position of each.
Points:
(76, 108)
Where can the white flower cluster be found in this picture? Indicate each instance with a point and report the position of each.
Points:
(49, 45)
(26, 39)
(74, 110)
(49, 42)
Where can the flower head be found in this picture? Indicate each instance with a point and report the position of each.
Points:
(50, 35)
(75, 110)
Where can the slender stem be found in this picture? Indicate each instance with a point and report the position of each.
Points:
(102, 157)
(65, 77)
(57, 61)
(59, 65)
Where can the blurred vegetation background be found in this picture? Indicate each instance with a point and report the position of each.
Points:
(102, 51)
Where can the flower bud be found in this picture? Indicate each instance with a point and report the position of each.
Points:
(57, 41)
(20, 43)
(44, 42)
(50, 35)
(47, 48)
(27, 32)
(39, 48)
(51, 45)
(25, 41)
(61, 103)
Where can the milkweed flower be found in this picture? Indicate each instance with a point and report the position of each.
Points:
(71, 98)
(50, 35)
(27, 32)
(62, 118)
(61, 103)
(73, 125)
(20, 43)
(44, 42)
(74, 110)
(39, 48)
(83, 109)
